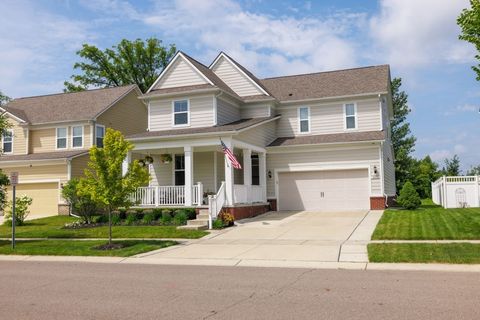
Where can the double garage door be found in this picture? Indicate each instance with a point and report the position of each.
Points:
(44, 195)
(324, 190)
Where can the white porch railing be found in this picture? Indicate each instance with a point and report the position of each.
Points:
(166, 195)
(216, 203)
(248, 194)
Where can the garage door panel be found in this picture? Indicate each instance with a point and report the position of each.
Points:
(324, 190)
(44, 195)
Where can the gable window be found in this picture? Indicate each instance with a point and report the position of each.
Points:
(7, 141)
(179, 170)
(350, 116)
(304, 119)
(77, 137)
(99, 134)
(180, 112)
(61, 138)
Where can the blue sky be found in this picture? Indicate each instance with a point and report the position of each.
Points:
(418, 38)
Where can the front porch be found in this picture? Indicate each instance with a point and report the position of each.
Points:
(196, 173)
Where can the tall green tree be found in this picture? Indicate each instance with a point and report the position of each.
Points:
(424, 172)
(452, 166)
(4, 99)
(129, 62)
(402, 140)
(104, 181)
(474, 171)
(469, 22)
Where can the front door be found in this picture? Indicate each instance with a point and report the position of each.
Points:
(179, 170)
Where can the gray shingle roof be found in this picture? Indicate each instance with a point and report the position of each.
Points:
(75, 106)
(57, 155)
(329, 138)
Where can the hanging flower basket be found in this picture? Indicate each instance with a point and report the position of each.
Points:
(166, 158)
(141, 163)
(148, 160)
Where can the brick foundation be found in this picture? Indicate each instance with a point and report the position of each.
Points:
(247, 211)
(273, 204)
(378, 203)
(63, 209)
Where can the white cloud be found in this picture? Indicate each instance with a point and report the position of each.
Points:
(412, 33)
(440, 155)
(462, 109)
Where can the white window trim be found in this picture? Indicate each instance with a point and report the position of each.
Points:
(104, 131)
(82, 136)
(355, 115)
(56, 138)
(300, 120)
(3, 142)
(188, 113)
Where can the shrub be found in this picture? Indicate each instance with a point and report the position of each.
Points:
(123, 213)
(180, 219)
(157, 212)
(191, 213)
(103, 218)
(148, 218)
(116, 220)
(166, 217)
(409, 198)
(131, 218)
(81, 204)
(21, 210)
(217, 224)
(227, 218)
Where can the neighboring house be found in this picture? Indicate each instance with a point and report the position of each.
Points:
(50, 137)
(318, 141)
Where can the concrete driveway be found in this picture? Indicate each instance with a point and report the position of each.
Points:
(285, 236)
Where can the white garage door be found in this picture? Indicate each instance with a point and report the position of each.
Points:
(324, 190)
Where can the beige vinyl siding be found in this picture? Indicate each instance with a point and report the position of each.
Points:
(261, 135)
(19, 137)
(78, 166)
(129, 115)
(236, 80)
(227, 112)
(40, 172)
(388, 170)
(324, 158)
(326, 118)
(203, 170)
(161, 173)
(238, 173)
(201, 113)
(255, 111)
(180, 74)
(44, 140)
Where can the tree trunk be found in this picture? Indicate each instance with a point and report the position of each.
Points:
(109, 225)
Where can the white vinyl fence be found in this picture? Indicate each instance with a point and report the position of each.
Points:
(457, 192)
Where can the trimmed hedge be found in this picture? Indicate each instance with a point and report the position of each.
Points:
(149, 216)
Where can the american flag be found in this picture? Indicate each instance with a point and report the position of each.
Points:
(231, 157)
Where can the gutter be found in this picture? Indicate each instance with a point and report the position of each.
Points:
(333, 97)
(326, 143)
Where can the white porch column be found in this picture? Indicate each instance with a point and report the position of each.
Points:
(228, 174)
(262, 164)
(188, 151)
(247, 172)
(126, 162)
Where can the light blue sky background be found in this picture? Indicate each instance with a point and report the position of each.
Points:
(418, 38)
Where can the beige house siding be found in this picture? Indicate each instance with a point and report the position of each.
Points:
(203, 169)
(235, 79)
(40, 172)
(19, 137)
(388, 170)
(261, 135)
(324, 158)
(227, 112)
(255, 111)
(44, 140)
(161, 173)
(201, 113)
(129, 115)
(78, 166)
(180, 74)
(329, 117)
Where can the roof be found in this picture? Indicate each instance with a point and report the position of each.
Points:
(57, 155)
(73, 106)
(329, 138)
(348, 82)
(179, 89)
(230, 127)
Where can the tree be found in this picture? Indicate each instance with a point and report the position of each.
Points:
(4, 99)
(22, 211)
(469, 22)
(129, 62)
(80, 204)
(4, 125)
(409, 198)
(104, 181)
(403, 143)
(474, 171)
(452, 166)
(424, 172)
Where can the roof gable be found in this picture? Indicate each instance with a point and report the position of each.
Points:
(242, 81)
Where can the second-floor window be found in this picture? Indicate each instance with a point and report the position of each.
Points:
(304, 119)
(7, 141)
(61, 138)
(77, 137)
(350, 116)
(180, 112)
(99, 134)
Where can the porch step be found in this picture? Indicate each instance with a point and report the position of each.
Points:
(197, 222)
(190, 227)
(202, 216)
(203, 211)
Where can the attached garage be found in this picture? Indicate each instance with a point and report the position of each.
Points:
(334, 190)
(45, 197)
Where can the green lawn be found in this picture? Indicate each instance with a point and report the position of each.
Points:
(51, 227)
(424, 252)
(80, 247)
(429, 222)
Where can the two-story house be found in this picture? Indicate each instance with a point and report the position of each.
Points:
(50, 136)
(318, 141)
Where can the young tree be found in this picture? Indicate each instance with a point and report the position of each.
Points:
(474, 171)
(129, 62)
(104, 181)
(469, 22)
(80, 204)
(452, 166)
(402, 140)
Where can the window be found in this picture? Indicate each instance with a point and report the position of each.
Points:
(77, 137)
(304, 119)
(350, 116)
(99, 134)
(61, 138)
(180, 112)
(179, 170)
(7, 141)
(255, 170)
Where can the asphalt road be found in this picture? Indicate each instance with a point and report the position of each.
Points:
(63, 290)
